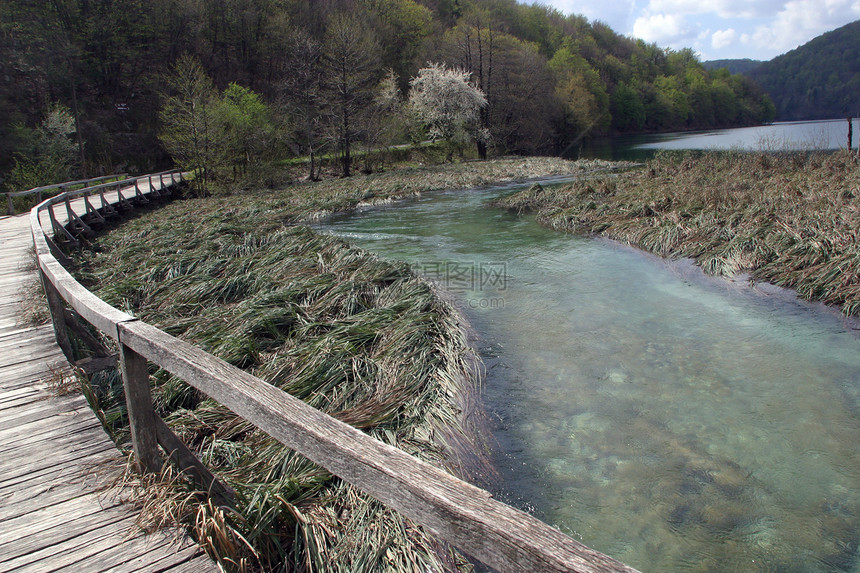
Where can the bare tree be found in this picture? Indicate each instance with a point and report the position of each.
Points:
(471, 45)
(383, 123)
(301, 95)
(187, 129)
(351, 72)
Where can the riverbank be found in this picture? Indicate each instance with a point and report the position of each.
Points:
(790, 219)
(363, 339)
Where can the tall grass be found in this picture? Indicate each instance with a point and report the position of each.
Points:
(363, 339)
(788, 218)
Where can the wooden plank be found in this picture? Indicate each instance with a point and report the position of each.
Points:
(11, 402)
(80, 507)
(16, 395)
(41, 495)
(20, 347)
(461, 514)
(23, 376)
(21, 383)
(37, 354)
(183, 557)
(41, 410)
(101, 542)
(90, 456)
(66, 432)
(65, 429)
(25, 379)
(32, 553)
(191, 566)
(111, 520)
(36, 370)
(29, 333)
(94, 459)
(124, 555)
(56, 309)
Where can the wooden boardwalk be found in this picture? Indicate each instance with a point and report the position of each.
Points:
(59, 518)
(51, 516)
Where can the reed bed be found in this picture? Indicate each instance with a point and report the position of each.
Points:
(362, 339)
(791, 219)
(308, 202)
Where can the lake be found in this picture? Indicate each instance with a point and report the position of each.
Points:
(799, 135)
(674, 421)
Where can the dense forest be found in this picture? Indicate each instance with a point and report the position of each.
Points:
(743, 66)
(819, 80)
(90, 87)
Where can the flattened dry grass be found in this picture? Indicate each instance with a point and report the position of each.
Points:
(365, 340)
(312, 201)
(790, 219)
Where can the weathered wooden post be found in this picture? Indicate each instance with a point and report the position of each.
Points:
(141, 416)
(851, 133)
(58, 319)
(11, 205)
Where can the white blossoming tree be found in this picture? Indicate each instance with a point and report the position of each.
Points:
(447, 106)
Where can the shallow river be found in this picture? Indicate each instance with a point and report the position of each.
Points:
(673, 421)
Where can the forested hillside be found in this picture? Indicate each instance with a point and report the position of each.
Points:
(819, 80)
(743, 66)
(83, 90)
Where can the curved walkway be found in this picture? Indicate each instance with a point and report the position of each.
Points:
(51, 516)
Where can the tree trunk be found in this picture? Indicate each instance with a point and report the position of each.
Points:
(346, 143)
(78, 131)
(482, 150)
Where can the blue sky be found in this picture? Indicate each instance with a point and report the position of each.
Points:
(717, 29)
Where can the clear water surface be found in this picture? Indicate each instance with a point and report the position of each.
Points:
(781, 136)
(673, 421)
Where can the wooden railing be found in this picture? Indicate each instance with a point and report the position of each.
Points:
(456, 512)
(68, 185)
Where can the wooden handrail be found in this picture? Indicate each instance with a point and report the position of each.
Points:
(459, 513)
(62, 186)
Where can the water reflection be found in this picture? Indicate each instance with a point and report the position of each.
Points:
(673, 421)
(784, 136)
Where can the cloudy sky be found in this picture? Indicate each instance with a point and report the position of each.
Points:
(717, 29)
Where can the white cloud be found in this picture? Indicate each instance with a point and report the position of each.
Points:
(762, 28)
(616, 13)
(801, 20)
(744, 9)
(724, 38)
(661, 28)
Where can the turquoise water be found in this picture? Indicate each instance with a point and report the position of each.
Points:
(671, 420)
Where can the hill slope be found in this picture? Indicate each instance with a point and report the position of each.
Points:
(819, 80)
(743, 66)
(551, 80)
